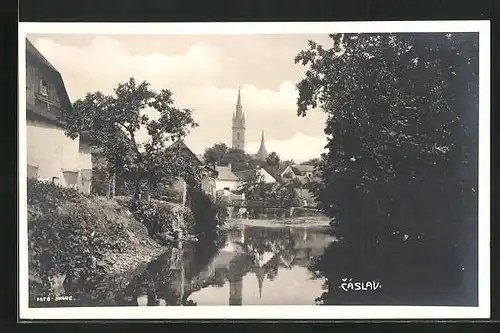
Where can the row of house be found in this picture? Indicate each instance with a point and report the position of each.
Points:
(52, 156)
(228, 181)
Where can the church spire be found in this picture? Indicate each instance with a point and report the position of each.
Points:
(260, 273)
(262, 154)
(238, 103)
(239, 125)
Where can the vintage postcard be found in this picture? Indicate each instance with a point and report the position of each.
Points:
(308, 170)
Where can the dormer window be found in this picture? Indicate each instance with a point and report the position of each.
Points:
(44, 88)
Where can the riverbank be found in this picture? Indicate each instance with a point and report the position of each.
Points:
(299, 222)
(81, 246)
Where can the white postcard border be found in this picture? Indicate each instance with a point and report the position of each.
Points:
(269, 312)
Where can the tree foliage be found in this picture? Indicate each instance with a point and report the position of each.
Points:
(400, 174)
(220, 154)
(112, 123)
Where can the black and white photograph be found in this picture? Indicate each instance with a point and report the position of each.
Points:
(309, 170)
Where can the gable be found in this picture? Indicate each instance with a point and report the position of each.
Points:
(36, 59)
(184, 149)
(266, 173)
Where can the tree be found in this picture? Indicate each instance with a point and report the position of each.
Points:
(239, 160)
(400, 175)
(112, 122)
(222, 155)
(272, 164)
(216, 154)
(273, 160)
(313, 161)
(253, 186)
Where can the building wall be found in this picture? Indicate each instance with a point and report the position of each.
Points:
(53, 154)
(208, 186)
(231, 184)
(239, 138)
(288, 173)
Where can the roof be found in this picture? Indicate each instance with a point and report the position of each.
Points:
(30, 48)
(225, 173)
(181, 145)
(242, 175)
(300, 168)
(34, 57)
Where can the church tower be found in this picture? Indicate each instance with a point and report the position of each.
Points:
(235, 289)
(262, 154)
(239, 125)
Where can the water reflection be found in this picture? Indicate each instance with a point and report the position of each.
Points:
(251, 266)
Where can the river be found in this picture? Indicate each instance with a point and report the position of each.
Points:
(252, 265)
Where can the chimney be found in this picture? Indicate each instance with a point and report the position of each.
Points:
(229, 166)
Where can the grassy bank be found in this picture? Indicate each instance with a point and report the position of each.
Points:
(80, 245)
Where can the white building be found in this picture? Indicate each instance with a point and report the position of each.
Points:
(51, 155)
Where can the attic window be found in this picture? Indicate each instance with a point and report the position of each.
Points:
(44, 88)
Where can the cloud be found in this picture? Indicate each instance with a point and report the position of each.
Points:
(204, 76)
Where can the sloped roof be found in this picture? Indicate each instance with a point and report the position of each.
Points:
(181, 145)
(34, 57)
(242, 175)
(225, 173)
(32, 50)
(299, 168)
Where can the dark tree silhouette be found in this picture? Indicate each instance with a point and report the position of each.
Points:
(399, 179)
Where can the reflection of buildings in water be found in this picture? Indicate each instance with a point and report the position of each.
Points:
(235, 290)
(142, 300)
(259, 252)
(260, 273)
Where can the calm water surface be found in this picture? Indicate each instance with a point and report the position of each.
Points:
(251, 266)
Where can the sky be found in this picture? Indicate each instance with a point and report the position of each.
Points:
(204, 73)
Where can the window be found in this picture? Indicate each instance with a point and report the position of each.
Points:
(237, 136)
(44, 88)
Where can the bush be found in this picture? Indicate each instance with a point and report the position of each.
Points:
(69, 234)
(162, 218)
(169, 194)
(46, 196)
(221, 212)
(205, 212)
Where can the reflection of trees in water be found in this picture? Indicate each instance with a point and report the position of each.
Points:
(162, 278)
(269, 240)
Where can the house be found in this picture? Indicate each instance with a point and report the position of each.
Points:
(303, 173)
(51, 155)
(263, 173)
(208, 174)
(304, 198)
(226, 179)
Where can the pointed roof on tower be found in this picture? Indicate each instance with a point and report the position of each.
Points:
(260, 274)
(238, 103)
(262, 153)
(239, 116)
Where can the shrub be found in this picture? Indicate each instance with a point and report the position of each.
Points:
(46, 196)
(69, 235)
(162, 218)
(221, 212)
(205, 212)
